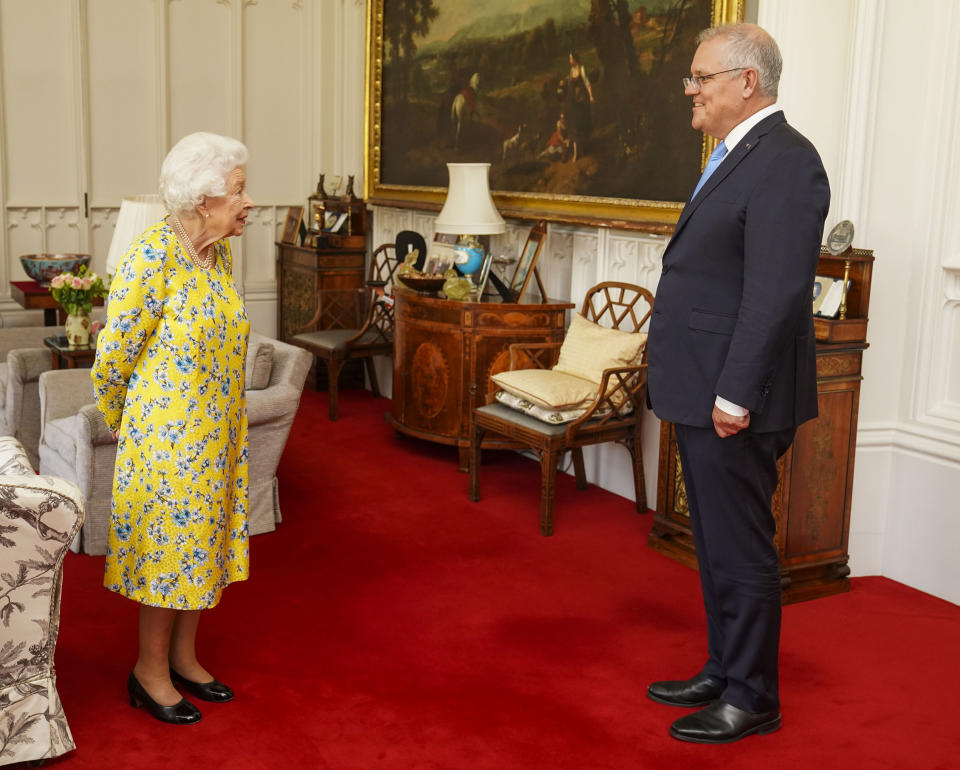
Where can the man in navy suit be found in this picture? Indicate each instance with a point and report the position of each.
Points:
(732, 364)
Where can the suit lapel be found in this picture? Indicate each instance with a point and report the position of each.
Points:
(743, 148)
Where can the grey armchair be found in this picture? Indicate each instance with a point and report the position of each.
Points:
(76, 444)
(22, 359)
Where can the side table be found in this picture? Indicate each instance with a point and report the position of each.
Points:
(32, 296)
(63, 356)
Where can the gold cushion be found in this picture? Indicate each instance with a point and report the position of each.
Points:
(589, 348)
(548, 388)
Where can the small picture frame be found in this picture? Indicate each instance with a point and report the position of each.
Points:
(440, 256)
(338, 221)
(292, 225)
(483, 274)
(528, 260)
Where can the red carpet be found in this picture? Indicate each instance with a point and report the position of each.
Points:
(390, 623)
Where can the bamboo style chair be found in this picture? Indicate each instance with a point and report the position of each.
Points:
(357, 324)
(621, 306)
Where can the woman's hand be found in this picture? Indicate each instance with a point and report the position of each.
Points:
(115, 434)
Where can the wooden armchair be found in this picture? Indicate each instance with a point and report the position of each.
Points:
(356, 324)
(613, 415)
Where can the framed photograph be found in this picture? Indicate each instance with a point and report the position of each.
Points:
(575, 128)
(440, 256)
(292, 224)
(335, 220)
(484, 273)
(528, 260)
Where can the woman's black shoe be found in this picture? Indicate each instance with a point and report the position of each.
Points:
(182, 713)
(215, 692)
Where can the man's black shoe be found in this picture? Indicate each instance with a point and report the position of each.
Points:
(698, 691)
(722, 723)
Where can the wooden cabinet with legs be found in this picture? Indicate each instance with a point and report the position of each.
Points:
(811, 504)
(444, 354)
(304, 275)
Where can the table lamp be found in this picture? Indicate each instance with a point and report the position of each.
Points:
(137, 213)
(469, 211)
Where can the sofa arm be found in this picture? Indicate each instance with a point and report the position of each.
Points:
(24, 365)
(27, 364)
(92, 428)
(63, 392)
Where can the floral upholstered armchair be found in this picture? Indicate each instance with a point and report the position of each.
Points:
(39, 518)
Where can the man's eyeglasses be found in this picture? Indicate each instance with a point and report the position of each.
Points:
(697, 81)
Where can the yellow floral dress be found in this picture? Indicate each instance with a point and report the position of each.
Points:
(169, 374)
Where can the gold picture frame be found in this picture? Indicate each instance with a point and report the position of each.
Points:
(291, 225)
(527, 263)
(404, 115)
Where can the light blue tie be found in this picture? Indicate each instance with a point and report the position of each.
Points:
(715, 157)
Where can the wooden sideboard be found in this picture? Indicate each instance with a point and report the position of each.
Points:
(811, 504)
(444, 354)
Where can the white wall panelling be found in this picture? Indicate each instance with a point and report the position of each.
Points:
(94, 92)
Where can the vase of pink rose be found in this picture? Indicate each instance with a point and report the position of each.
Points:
(75, 292)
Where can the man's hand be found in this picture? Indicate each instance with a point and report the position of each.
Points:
(726, 424)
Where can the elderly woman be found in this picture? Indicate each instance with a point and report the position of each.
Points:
(169, 380)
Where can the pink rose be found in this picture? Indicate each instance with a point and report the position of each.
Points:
(57, 282)
(76, 282)
(86, 282)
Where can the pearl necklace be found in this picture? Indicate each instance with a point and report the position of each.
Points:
(208, 261)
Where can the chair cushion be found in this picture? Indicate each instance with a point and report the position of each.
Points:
(552, 416)
(259, 366)
(332, 339)
(502, 412)
(61, 436)
(548, 388)
(589, 348)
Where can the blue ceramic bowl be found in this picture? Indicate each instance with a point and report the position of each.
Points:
(43, 268)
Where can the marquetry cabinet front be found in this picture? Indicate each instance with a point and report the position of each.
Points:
(811, 505)
(445, 352)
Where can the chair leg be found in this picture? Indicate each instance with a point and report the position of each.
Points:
(476, 437)
(548, 482)
(372, 374)
(639, 483)
(333, 377)
(578, 469)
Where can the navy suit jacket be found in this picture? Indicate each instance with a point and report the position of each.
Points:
(733, 315)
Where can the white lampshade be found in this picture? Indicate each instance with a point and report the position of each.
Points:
(469, 209)
(137, 213)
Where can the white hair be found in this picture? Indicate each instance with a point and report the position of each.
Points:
(198, 166)
(749, 46)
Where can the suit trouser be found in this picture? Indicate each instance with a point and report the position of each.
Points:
(729, 483)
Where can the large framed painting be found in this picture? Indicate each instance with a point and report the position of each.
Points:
(578, 105)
